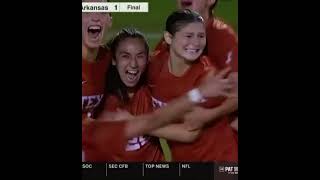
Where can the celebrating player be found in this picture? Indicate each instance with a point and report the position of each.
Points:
(127, 90)
(179, 68)
(222, 44)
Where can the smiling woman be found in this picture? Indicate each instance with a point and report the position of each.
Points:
(95, 61)
(95, 58)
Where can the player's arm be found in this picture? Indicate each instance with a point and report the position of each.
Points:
(228, 54)
(176, 132)
(212, 86)
(200, 116)
(143, 124)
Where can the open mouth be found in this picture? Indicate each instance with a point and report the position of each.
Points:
(94, 31)
(186, 3)
(132, 75)
(192, 51)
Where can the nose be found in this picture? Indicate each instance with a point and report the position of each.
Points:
(133, 63)
(196, 41)
(95, 17)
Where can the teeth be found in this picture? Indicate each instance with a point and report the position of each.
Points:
(192, 50)
(95, 27)
(132, 72)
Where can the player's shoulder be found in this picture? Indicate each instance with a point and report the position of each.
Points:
(222, 27)
(104, 49)
(158, 57)
(104, 52)
(161, 45)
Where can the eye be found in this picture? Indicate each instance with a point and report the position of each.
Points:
(188, 36)
(201, 36)
(141, 56)
(125, 56)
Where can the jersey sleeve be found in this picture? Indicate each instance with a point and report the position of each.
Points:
(227, 54)
(102, 139)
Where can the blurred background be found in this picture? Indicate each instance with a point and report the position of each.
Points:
(152, 23)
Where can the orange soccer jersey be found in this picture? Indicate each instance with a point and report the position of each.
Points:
(142, 148)
(93, 84)
(216, 142)
(93, 81)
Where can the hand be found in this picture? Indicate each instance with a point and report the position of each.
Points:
(233, 77)
(217, 85)
(122, 115)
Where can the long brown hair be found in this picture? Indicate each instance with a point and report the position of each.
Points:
(114, 84)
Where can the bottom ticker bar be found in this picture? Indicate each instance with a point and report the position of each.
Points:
(163, 170)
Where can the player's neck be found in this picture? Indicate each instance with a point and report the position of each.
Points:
(132, 91)
(89, 54)
(206, 16)
(177, 65)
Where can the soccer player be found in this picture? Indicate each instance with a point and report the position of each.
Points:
(95, 60)
(222, 41)
(179, 68)
(222, 44)
(127, 90)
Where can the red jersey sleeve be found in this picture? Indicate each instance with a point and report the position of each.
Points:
(100, 140)
(223, 45)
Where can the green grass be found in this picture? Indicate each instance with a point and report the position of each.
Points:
(152, 23)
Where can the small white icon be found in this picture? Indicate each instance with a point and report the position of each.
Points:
(229, 57)
(221, 169)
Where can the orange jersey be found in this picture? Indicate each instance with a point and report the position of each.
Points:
(100, 140)
(93, 81)
(93, 85)
(222, 44)
(216, 142)
(222, 47)
(142, 148)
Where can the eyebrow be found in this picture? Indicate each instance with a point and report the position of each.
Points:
(142, 52)
(123, 52)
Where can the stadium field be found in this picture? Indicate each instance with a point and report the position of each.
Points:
(152, 23)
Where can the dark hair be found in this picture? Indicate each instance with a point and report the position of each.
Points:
(212, 7)
(180, 18)
(114, 84)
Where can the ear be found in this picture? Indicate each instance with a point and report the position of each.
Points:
(113, 62)
(109, 23)
(211, 2)
(167, 37)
